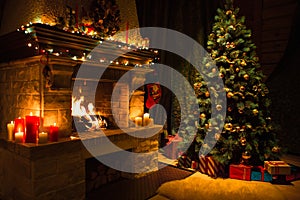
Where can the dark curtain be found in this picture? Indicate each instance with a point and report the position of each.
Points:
(284, 85)
(191, 17)
(2, 3)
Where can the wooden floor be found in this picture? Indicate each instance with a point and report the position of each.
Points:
(139, 189)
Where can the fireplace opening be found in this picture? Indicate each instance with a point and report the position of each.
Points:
(98, 175)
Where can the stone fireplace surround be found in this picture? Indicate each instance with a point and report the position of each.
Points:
(57, 170)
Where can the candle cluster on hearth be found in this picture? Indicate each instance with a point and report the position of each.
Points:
(27, 130)
(144, 121)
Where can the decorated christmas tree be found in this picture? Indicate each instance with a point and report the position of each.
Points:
(248, 134)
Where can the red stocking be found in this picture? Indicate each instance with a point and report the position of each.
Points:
(154, 94)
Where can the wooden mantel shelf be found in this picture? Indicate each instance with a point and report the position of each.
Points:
(41, 37)
(73, 144)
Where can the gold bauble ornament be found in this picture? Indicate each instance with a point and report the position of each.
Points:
(245, 157)
(246, 77)
(221, 75)
(213, 70)
(229, 94)
(241, 111)
(197, 85)
(229, 109)
(243, 141)
(255, 111)
(237, 69)
(202, 116)
(219, 107)
(238, 128)
(228, 12)
(242, 88)
(207, 94)
(243, 63)
(217, 136)
(206, 126)
(254, 88)
(276, 149)
(228, 126)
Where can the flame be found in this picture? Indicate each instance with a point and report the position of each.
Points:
(89, 114)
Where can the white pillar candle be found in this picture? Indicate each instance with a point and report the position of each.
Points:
(138, 121)
(146, 119)
(43, 137)
(19, 137)
(10, 130)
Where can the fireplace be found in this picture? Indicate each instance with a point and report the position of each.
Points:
(37, 76)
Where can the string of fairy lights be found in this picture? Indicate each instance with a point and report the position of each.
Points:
(80, 55)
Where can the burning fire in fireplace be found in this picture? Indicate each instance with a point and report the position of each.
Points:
(85, 117)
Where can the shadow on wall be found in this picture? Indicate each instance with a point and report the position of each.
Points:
(284, 85)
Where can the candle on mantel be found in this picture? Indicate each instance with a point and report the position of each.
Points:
(19, 136)
(10, 130)
(146, 119)
(32, 128)
(19, 126)
(43, 138)
(151, 122)
(53, 136)
(138, 121)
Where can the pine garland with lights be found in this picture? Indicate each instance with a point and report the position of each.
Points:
(106, 17)
(101, 21)
(248, 131)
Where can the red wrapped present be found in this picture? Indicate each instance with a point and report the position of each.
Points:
(208, 165)
(241, 172)
(277, 167)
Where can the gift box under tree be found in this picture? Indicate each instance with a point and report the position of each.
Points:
(208, 165)
(241, 172)
(260, 174)
(184, 161)
(277, 167)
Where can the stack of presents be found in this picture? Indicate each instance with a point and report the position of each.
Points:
(272, 171)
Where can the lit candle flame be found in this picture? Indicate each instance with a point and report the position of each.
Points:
(54, 124)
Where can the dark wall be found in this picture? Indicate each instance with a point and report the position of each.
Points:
(275, 31)
(284, 84)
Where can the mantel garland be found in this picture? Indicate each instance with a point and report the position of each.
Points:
(102, 20)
